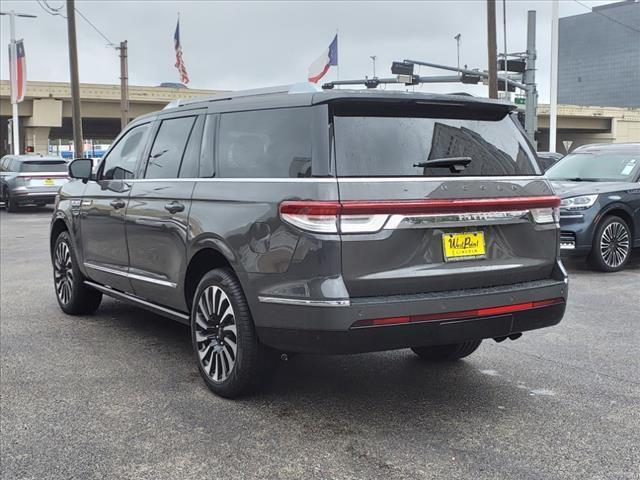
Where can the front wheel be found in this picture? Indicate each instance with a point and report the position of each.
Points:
(611, 245)
(230, 358)
(447, 353)
(74, 297)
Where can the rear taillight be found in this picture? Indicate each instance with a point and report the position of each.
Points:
(371, 216)
(545, 215)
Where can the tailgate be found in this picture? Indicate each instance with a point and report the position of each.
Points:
(440, 235)
(439, 196)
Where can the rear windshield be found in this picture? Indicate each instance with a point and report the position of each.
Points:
(375, 146)
(43, 166)
(597, 166)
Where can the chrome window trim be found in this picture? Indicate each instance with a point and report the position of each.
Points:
(133, 276)
(338, 179)
(304, 302)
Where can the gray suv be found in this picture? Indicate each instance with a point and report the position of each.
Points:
(30, 180)
(317, 222)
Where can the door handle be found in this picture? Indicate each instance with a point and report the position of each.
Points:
(117, 203)
(174, 207)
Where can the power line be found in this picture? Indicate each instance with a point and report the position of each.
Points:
(57, 12)
(607, 16)
(109, 42)
(49, 9)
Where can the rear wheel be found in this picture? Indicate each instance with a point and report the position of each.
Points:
(444, 353)
(611, 247)
(230, 358)
(74, 297)
(10, 204)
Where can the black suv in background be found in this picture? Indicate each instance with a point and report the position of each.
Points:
(600, 210)
(328, 222)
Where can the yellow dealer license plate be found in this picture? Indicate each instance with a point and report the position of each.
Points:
(463, 246)
(48, 182)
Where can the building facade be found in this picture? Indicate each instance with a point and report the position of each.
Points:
(599, 57)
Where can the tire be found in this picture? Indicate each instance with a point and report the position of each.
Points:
(230, 358)
(74, 297)
(611, 248)
(10, 204)
(447, 353)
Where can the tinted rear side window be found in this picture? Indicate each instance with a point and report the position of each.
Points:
(43, 166)
(168, 148)
(371, 146)
(265, 144)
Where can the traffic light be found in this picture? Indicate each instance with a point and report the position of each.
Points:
(510, 87)
(516, 66)
(470, 79)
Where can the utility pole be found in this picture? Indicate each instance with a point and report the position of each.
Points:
(531, 101)
(124, 85)
(75, 82)
(12, 58)
(553, 104)
(492, 49)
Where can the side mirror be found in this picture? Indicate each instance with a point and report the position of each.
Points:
(81, 168)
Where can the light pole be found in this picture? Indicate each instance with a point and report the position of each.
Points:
(12, 59)
(553, 101)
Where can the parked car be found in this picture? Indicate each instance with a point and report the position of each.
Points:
(600, 209)
(547, 159)
(31, 180)
(317, 222)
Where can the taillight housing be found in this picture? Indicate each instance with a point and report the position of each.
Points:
(371, 216)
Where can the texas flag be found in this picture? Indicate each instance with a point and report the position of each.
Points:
(17, 72)
(328, 58)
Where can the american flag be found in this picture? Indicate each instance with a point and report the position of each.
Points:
(184, 76)
(17, 72)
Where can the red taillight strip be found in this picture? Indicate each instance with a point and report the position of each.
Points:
(478, 312)
(365, 207)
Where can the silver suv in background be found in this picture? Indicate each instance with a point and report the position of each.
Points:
(317, 222)
(31, 180)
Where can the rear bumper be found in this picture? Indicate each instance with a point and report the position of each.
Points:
(316, 329)
(378, 338)
(24, 195)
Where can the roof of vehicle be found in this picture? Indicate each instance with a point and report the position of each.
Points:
(305, 95)
(615, 147)
(27, 157)
(555, 155)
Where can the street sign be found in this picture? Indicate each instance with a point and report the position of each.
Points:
(520, 101)
(567, 145)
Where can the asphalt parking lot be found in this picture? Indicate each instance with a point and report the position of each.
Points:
(117, 395)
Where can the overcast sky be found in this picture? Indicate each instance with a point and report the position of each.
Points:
(236, 45)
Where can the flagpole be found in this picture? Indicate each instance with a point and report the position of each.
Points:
(14, 74)
(338, 54)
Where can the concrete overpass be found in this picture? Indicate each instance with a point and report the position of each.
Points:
(582, 125)
(45, 114)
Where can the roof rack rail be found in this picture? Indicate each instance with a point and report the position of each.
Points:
(304, 87)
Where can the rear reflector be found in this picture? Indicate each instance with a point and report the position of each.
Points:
(479, 312)
(370, 216)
